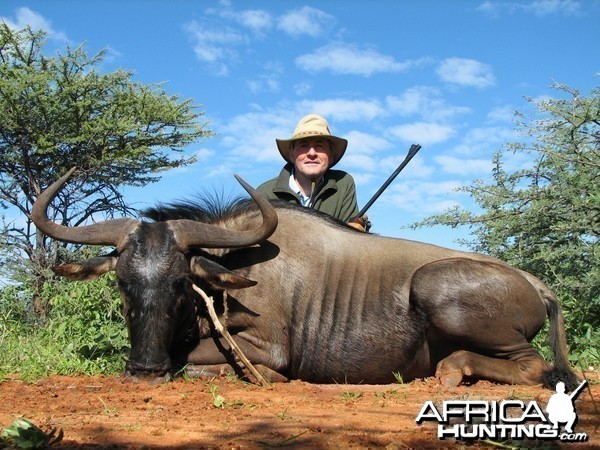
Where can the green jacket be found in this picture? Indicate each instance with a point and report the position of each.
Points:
(336, 196)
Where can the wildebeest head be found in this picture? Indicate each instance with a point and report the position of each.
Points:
(154, 266)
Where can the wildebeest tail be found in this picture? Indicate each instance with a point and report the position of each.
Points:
(561, 371)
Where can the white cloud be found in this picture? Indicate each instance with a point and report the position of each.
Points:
(26, 17)
(483, 141)
(540, 8)
(502, 114)
(423, 101)
(269, 81)
(489, 7)
(342, 109)
(466, 72)
(512, 162)
(362, 152)
(252, 136)
(488, 135)
(214, 46)
(553, 7)
(215, 41)
(359, 161)
(305, 21)
(258, 21)
(370, 157)
(411, 101)
(302, 89)
(462, 166)
(340, 58)
(360, 178)
(366, 143)
(422, 132)
(204, 154)
(418, 168)
(423, 197)
(264, 83)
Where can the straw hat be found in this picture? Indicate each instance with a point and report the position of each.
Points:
(311, 126)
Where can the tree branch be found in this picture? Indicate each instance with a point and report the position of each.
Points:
(223, 330)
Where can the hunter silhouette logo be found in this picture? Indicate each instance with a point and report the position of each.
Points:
(508, 419)
(561, 407)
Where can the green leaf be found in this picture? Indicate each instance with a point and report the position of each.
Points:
(24, 434)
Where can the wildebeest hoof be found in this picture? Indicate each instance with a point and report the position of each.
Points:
(452, 379)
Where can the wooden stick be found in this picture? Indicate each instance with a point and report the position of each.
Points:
(223, 330)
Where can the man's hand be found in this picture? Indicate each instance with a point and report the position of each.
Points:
(361, 223)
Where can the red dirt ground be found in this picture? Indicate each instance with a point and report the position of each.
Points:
(109, 412)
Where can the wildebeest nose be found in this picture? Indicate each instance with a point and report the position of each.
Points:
(152, 373)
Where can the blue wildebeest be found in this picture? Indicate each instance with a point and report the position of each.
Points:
(312, 299)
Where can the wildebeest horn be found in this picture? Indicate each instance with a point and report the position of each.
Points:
(109, 232)
(188, 233)
(191, 234)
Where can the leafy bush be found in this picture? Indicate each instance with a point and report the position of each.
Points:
(544, 216)
(25, 434)
(84, 332)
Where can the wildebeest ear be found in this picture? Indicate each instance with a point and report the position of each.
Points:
(217, 275)
(87, 270)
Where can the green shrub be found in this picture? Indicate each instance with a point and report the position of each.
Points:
(84, 331)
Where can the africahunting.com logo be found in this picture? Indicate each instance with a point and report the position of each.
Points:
(508, 419)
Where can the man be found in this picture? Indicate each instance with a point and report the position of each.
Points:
(561, 409)
(307, 179)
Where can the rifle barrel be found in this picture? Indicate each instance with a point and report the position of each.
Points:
(411, 153)
(579, 388)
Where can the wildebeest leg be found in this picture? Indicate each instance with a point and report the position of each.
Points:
(525, 370)
(483, 316)
(212, 357)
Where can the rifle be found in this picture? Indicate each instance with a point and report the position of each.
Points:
(576, 392)
(411, 153)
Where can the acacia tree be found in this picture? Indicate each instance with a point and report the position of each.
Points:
(61, 111)
(545, 218)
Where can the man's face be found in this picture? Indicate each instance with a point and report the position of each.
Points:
(311, 157)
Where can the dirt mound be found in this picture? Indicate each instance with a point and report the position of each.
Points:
(109, 412)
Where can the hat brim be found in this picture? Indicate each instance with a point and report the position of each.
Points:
(338, 148)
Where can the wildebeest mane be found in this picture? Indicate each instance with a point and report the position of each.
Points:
(216, 207)
(207, 208)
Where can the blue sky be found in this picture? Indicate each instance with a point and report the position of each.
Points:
(386, 74)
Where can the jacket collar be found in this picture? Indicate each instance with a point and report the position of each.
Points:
(283, 181)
